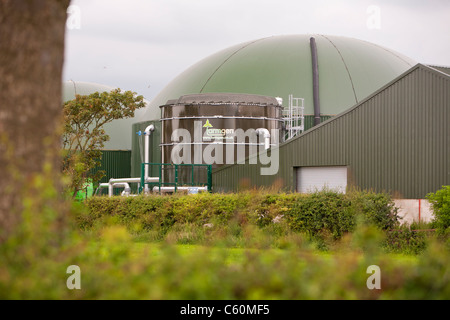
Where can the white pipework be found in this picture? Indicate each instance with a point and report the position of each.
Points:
(147, 133)
(126, 186)
(113, 182)
(265, 133)
(279, 100)
(101, 185)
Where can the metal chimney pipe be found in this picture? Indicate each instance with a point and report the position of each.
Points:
(315, 70)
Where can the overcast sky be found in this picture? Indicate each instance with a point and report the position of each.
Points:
(141, 45)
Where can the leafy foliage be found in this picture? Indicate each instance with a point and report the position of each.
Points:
(150, 248)
(319, 215)
(84, 137)
(440, 201)
(322, 211)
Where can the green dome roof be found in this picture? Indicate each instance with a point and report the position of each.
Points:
(119, 131)
(349, 70)
(70, 88)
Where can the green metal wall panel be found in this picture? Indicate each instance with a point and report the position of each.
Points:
(309, 120)
(396, 140)
(116, 163)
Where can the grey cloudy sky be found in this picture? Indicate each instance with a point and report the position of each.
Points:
(141, 45)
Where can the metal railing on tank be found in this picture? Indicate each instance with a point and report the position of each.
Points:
(192, 178)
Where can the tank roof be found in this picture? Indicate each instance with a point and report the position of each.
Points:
(225, 98)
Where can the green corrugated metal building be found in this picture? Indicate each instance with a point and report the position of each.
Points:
(396, 140)
(116, 164)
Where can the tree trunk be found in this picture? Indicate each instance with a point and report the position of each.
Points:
(31, 61)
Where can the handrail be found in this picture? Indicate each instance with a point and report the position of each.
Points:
(176, 184)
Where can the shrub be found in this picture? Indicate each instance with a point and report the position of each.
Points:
(326, 213)
(406, 241)
(321, 212)
(377, 209)
(440, 202)
(325, 216)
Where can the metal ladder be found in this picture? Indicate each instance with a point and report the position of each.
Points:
(293, 117)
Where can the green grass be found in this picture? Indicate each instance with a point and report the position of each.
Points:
(190, 271)
(237, 255)
(187, 251)
(118, 265)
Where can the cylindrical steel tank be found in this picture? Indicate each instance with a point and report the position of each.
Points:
(217, 129)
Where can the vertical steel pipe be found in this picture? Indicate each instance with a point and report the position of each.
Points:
(315, 71)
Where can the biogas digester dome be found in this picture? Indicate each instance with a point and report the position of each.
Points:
(348, 71)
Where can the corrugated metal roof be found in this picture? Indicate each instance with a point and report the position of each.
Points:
(441, 68)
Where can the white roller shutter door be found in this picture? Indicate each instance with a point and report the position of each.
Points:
(310, 179)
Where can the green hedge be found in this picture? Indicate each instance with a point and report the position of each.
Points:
(440, 201)
(313, 214)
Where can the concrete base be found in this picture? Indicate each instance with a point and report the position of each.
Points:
(414, 210)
